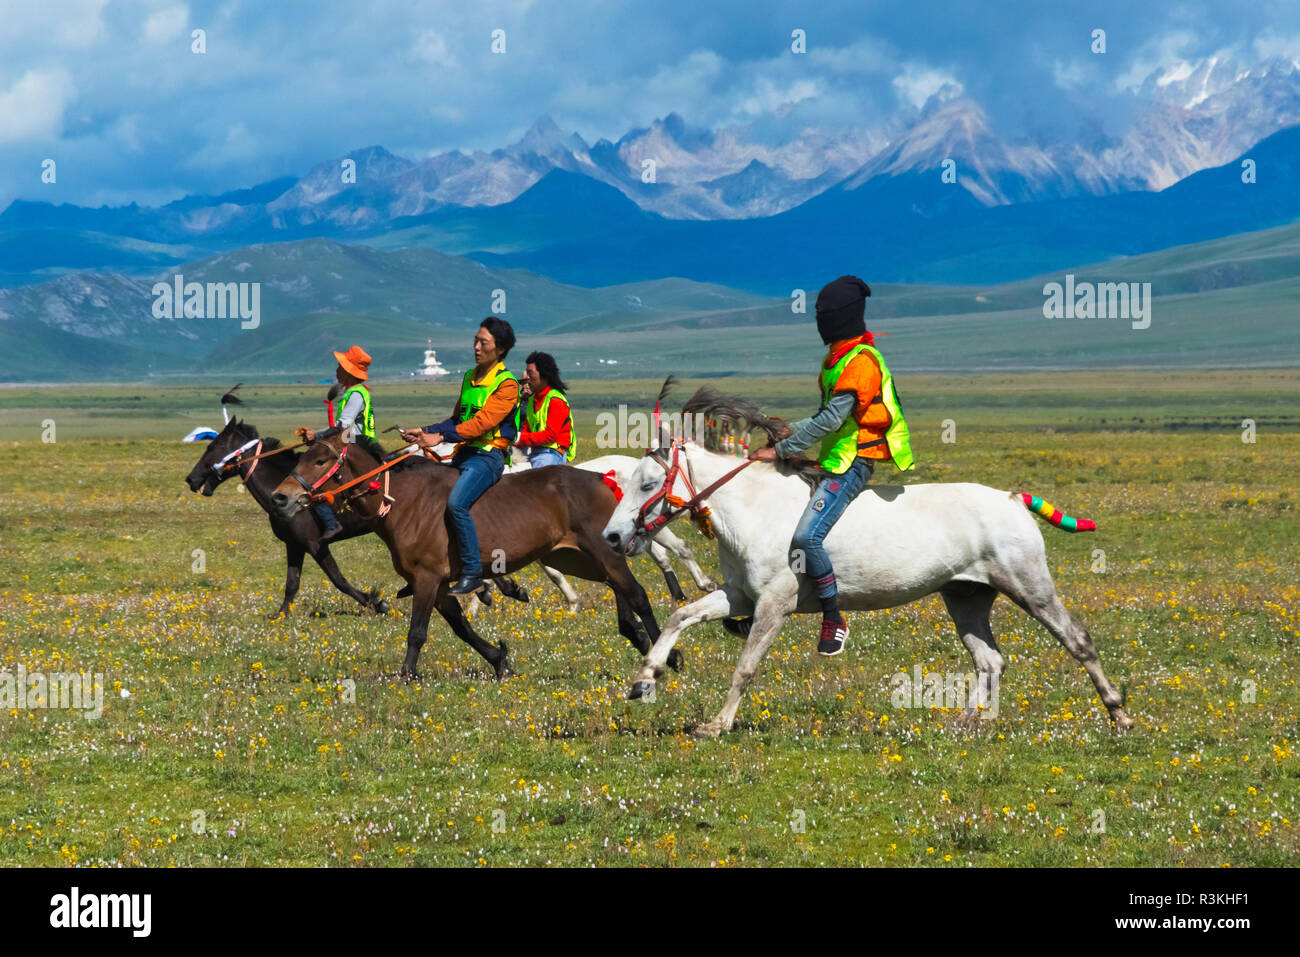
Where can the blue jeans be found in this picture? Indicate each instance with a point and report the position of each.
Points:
(830, 499)
(326, 515)
(479, 471)
(538, 457)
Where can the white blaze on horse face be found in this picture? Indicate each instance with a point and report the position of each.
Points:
(623, 521)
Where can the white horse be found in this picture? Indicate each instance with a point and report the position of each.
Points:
(893, 545)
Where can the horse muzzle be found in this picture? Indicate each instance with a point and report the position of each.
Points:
(290, 505)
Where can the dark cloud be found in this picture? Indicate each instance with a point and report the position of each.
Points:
(115, 95)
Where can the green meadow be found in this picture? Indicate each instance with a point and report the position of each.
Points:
(228, 738)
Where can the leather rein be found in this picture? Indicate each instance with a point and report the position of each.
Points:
(677, 505)
(374, 485)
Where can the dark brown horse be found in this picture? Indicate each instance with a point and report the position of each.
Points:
(300, 534)
(553, 515)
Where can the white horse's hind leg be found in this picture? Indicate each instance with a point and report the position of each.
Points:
(769, 615)
(1038, 597)
(969, 604)
(716, 604)
(563, 585)
(678, 547)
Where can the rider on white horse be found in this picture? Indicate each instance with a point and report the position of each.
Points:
(859, 423)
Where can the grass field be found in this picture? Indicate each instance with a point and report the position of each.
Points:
(238, 743)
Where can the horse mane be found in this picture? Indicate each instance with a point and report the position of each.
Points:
(731, 410)
(735, 411)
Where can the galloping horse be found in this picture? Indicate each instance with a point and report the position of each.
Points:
(551, 514)
(232, 453)
(893, 545)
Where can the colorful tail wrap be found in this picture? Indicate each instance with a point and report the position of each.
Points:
(1056, 516)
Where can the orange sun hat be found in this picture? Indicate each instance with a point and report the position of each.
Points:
(355, 361)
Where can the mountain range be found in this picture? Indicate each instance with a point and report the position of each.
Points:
(1187, 118)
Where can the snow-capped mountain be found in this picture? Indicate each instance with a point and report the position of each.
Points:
(1187, 117)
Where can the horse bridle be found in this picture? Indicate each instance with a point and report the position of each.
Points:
(224, 463)
(329, 474)
(695, 504)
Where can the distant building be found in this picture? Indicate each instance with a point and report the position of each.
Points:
(432, 368)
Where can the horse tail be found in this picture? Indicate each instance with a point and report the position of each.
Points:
(1055, 516)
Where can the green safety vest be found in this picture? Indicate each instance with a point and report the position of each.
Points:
(367, 418)
(474, 397)
(537, 422)
(841, 447)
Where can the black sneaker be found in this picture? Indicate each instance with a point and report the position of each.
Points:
(738, 626)
(467, 584)
(330, 532)
(833, 637)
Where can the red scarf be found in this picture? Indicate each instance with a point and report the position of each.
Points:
(844, 345)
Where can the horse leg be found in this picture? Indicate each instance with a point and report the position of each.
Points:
(426, 590)
(660, 556)
(293, 554)
(968, 605)
(495, 655)
(769, 614)
(678, 547)
(629, 589)
(1034, 591)
(511, 588)
(562, 583)
(716, 604)
(331, 569)
(628, 626)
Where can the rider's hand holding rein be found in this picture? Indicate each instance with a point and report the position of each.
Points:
(769, 453)
(424, 440)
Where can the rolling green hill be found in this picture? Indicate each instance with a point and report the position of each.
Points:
(1222, 303)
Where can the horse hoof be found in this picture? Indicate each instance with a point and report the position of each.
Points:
(675, 660)
(382, 607)
(644, 690)
(523, 595)
(276, 615)
(711, 730)
(502, 664)
(1122, 722)
(573, 608)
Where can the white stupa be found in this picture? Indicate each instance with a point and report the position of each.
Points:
(432, 368)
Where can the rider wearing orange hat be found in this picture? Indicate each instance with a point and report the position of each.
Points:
(353, 416)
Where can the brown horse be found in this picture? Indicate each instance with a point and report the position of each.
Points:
(554, 515)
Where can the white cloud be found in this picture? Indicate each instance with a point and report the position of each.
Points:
(916, 84)
(768, 97)
(1273, 44)
(1161, 53)
(32, 109)
(165, 24)
(431, 47)
(1068, 76)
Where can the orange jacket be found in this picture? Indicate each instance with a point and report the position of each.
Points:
(862, 377)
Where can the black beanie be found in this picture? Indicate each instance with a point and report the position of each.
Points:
(840, 308)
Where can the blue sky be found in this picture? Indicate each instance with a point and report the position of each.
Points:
(113, 93)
